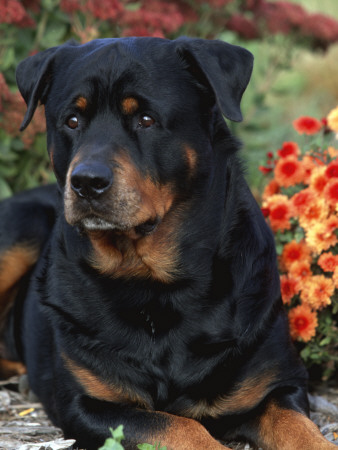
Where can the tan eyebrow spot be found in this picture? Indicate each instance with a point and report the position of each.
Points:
(82, 103)
(129, 105)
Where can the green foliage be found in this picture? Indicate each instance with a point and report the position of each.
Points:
(114, 443)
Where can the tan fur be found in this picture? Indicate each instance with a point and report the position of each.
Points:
(184, 434)
(283, 429)
(10, 368)
(99, 389)
(129, 105)
(14, 264)
(191, 157)
(81, 103)
(244, 397)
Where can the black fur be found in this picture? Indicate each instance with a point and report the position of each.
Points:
(214, 322)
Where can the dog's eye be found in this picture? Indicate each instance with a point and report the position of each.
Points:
(72, 122)
(146, 121)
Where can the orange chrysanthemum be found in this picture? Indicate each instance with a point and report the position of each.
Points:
(332, 223)
(280, 212)
(289, 171)
(332, 119)
(301, 200)
(303, 323)
(307, 125)
(331, 192)
(293, 252)
(309, 166)
(328, 262)
(300, 270)
(288, 149)
(317, 291)
(332, 152)
(315, 211)
(289, 288)
(335, 278)
(319, 237)
(271, 188)
(318, 179)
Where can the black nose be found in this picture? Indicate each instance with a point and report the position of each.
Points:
(90, 180)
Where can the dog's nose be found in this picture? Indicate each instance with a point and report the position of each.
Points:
(91, 180)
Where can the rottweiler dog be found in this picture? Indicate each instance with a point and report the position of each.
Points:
(143, 289)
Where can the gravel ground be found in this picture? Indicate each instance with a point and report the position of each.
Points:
(25, 426)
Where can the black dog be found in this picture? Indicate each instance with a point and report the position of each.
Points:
(146, 288)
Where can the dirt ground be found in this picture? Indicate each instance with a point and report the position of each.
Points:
(25, 426)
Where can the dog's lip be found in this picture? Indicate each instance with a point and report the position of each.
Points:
(97, 224)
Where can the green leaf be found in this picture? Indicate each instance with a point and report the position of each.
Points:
(114, 443)
(5, 190)
(54, 35)
(325, 341)
(8, 59)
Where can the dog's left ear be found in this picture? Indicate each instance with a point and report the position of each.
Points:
(225, 67)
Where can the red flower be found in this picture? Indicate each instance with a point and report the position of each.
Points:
(289, 171)
(288, 149)
(301, 200)
(104, 9)
(265, 212)
(71, 6)
(245, 27)
(303, 323)
(153, 18)
(279, 212)
(281, 17)
(307, 125)
(328, 262)
(289, 288)
(331, 192)
(319, 26)
(332, 170)
(265, 170)
(293, 252)
(12, 11)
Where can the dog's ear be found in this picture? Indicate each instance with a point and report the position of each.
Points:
(226, 68)
(33, 76)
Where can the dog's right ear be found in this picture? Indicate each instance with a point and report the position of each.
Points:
(33, 76)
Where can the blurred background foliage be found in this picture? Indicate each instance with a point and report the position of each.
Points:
(295, 44)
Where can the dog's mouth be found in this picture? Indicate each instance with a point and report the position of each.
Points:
(97, 224)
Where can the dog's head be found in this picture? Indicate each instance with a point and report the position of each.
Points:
(128, 122)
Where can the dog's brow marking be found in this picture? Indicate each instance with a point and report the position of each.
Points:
(97, 388)
(246, 395)
(82, 103)
(129, 105)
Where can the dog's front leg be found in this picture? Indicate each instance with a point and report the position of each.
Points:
(90, 421)
(285, 429)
